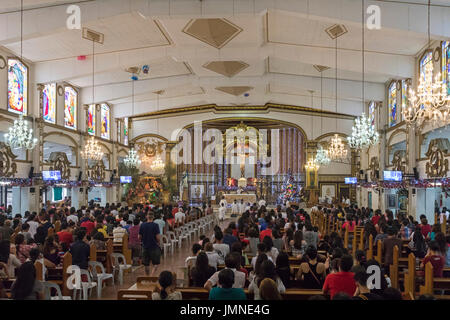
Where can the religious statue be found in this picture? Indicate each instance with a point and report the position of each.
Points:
(183, 184)
(437, 166)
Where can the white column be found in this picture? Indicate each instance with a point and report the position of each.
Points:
(16, 200)
(75, 195)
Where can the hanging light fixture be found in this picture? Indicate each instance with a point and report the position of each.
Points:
(431, 102)
(312, 165)
(157, 164)
(132, 160)
(363, 134)
(321, 157)
(92, 150)
(336, 150)
(19, 135)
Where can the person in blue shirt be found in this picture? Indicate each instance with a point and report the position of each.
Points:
(150, 236)
(226, 290)
(228, 237)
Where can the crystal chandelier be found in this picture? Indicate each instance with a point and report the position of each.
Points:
(157, 164)
(430, 103)
(322, 157)
(132, 160)
(312, 165)
(20, 136)
(364, 134)
(92, 150)
(337, 149)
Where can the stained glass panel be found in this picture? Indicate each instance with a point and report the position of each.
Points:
(393, 104)
(405, 89)
(446, 64)
(125, 131)
(91, 120)
(49, 103)
(70, 107)
(428, 57)
(106, 126)
(17, 87)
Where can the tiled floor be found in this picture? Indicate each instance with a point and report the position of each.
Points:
(173, 263)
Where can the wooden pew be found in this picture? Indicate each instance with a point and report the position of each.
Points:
(134, 295)
(59, 273)
(393, 268)
(379, 256)
(103, 256)
(369, 254)
(432, 283)
(409, 281)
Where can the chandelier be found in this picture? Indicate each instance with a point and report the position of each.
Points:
(337, 149)
(92, 150)
(20, 136)
(132, 160)
(364, 134)
(312, 165)
(157, 164)
(430, 103)
(322, 157)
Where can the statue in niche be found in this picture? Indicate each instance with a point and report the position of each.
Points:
(399, 160)
(437, 165)
(8, 167)
(59, 162)
(374, 166)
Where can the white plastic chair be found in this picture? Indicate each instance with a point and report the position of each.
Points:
(100, 277)
(87, 286)
(173, 239)
(167, 245)
(181, 236)
(48, 286)
(119, 266)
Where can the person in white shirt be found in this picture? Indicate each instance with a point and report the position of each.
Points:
(222, 211)
(118, 233)
(213, 257)
(239, 277)
(179, 216)
(33, 226)
(235, 207)
(262, 203)
(224, 202)
(221, 248)
(441, 215)
(72, 217)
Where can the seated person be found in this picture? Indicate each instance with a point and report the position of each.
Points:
(312, 273)
(167, 291)
(202, 270)
(239, 277)
(436, 260)
(226, 289)
(363, 292)
(342, 281)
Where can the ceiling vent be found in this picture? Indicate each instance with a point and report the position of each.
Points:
(92, 35)
(336, 31)
(320, 68)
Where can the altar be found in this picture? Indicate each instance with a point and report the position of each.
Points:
(238, 197)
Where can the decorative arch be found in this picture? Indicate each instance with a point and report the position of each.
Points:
(62, 134)
(331, 134)
(149, 135)
(122, 151)
(395, 133)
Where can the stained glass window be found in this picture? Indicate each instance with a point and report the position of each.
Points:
(70, 108)
(428, 57)
(125, 131)
(17, 87)
(393, 104)
(49, 103)
(105, 116)
(446, 64)
(372, 112)
(91, 120)
(405, 89)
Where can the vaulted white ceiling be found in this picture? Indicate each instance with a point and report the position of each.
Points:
(279, 40)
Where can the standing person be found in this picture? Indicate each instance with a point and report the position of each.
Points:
(242, 207)
(224, 202)
(160, 222)
(234, 208)
(150, 236)
(134, 243)
(222, 211)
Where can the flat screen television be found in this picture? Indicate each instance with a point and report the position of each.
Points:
(125, 179)
(51, 175)
(351, 180)
(392, 176)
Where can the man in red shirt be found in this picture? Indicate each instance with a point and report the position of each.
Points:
(425, 228)
(266, 232)
(342, 281)
(436, 260)
(88, 224)
(64, 235)
(376, 217)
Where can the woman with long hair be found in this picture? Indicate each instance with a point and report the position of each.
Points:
(22, 249)
(268, 290)
(299, 246)
(26, 287)
(202, 270)
(266, 270)
(167, 284)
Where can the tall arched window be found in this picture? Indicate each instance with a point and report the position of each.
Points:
(17, 87)
(106, 118)
(91, 120)
(125, 131)
(392, 104)
(446, 64)
(49, 103)
(70, 107)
